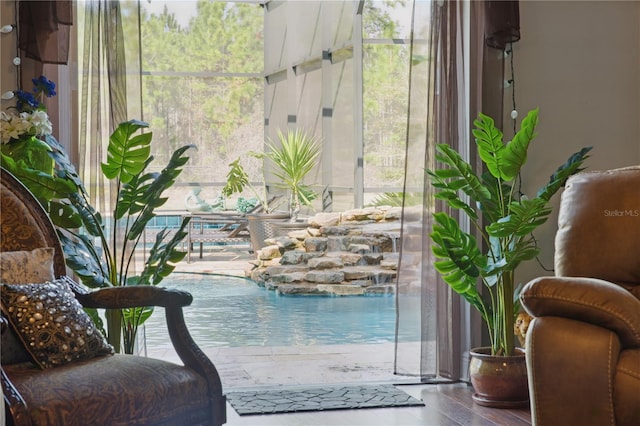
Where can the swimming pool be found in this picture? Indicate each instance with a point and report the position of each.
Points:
(232, 312)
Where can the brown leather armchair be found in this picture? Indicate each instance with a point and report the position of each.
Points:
(114, 389)
(583, 346)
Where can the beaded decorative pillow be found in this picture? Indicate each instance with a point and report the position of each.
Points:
(51, 323)
(35, 266)
(19, 267)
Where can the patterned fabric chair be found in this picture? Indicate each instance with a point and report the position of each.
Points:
(111, 389)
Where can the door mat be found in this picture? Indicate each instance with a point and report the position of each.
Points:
(319, 399)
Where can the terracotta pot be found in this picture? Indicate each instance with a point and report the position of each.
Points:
(499, 381)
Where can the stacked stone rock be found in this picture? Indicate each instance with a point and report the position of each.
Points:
(348, 253)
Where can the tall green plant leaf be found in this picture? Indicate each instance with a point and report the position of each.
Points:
(463, 260)
(515, 154)
(164, 256)
(152, 197)
(131, 196)
(458, 177)
(85, 260)
(489, 142)
(526, 215)
(127, 154)
(560, 176)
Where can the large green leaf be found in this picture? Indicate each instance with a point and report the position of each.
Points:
(152, 197)
(489, 142)
(127, 154)
(64, 215)
(43, 186)
(515, 154)
(131, 196)
(525, 216)
(560, 176)
(85, 259)
(459, 176)
(164, 256)
(462, 259)
(237, 179)
(496, 206)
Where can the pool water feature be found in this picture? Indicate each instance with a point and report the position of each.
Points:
(230, 311)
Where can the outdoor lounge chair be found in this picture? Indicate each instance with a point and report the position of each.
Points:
(203, 228)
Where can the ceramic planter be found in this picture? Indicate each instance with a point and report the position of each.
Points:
(499, 381)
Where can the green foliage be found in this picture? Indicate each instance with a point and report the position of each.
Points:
(509, 219)
(93, 249)
(294, 157)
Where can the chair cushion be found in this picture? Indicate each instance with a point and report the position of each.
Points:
(598, 225)
(111, 390)
(51, 323)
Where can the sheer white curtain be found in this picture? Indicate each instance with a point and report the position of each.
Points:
(109, 85)
(433, 330)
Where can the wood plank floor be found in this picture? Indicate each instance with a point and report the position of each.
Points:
(445, 405)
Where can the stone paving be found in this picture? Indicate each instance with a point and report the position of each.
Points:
(319, 399)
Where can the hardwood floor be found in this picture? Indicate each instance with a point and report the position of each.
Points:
(445, 405)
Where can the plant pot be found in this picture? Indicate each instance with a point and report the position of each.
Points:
(499, 381)
(260, 227)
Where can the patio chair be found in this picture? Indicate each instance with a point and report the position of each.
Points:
(58, 368)
(216, 227)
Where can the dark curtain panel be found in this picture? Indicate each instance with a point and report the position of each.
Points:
(44, 30)
(502, 23)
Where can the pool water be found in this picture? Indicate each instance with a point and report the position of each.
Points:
(232, 312)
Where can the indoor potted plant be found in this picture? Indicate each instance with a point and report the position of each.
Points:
(502, 220)
(92, 249)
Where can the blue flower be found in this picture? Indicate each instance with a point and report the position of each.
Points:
(44, 85)
(26, 101)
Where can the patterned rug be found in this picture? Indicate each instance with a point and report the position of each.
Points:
(319, 399)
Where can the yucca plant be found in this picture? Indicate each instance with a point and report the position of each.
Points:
(294, 157)
(102, 253)
(501, 216)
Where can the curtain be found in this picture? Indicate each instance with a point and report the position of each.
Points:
(432, 327)
(44, 30)
(109, 86)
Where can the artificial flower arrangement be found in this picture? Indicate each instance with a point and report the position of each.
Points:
(25, 126)
(30, 117)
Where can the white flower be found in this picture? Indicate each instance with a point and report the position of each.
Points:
(40, 122)
(13, 127)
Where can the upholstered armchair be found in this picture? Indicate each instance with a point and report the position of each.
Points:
(583, 346)
(57, 368)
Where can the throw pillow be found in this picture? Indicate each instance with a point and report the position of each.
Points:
(51, 323)
(19, 267)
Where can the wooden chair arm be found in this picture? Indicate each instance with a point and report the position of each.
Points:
(173, 301)
(134, 296)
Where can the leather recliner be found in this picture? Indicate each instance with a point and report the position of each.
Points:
(583, 345)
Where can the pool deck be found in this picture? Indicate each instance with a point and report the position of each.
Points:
(257, 366)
